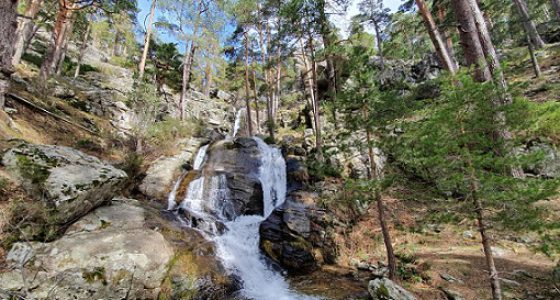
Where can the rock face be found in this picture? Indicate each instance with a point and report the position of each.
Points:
(65, 182)
(107, 254)
(385, 289)
(239, 161)
(296, 235)
(163, 172)
(121, 251)
(549, 165)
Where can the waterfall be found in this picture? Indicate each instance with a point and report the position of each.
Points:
(199, 159)
(200, 156)
(237, 123)
(238, 246)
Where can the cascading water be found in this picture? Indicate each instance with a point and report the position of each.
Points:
(238, 246)
(237, 123)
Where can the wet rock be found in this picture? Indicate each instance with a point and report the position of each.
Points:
(164, 171)
(296, 235)
(385, 289)
(239, 161)
(63, 182)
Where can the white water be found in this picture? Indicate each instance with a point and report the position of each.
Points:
(238, 247)
(200, 156)
(199, 159)
(237, 123)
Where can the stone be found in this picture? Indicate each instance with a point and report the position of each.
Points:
(296, 235)
(549, 165)
(450, 278)
(468, 235)
(64, 182)
(452, 295)
(498, 252)
(164, 171)
(385, 289)
(107, 254)
(63, 92)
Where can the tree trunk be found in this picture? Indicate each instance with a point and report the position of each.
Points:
(8, 27)
(25, 28)
(59, 34)
(528, 24)
(378, 42)
(556, 7)
(256, 101)
(494, 65)
(441, 49)
(470, 41)
(147, 41)
(187, 67)
(316, 112)
(267, 77)
(486, 242)
(447, 36)
(309, 79)
(374, 175)
(247, 96)
(68, 35)
(29, 39)
(83, 47)
(534, 60)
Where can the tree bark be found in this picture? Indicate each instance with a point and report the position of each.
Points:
(256, 101)
(486, 241)
(374, 175)
(441, 49)
(316, 112)
(25, 28)
(447, 36)
(247, 95)
(187, 67)
(142, 66)
(528, 24)
(83, 47)
(207, 80)
(8, 27)
(378, 42)
(67, 37)
(59, 34)
(309, 79)
(470, 40)
(534, 60)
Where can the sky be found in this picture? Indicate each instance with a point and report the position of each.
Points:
(341, 22)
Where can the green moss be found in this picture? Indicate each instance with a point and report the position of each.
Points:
(32, 171)
(97, 274)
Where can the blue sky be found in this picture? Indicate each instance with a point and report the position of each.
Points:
(341, 22)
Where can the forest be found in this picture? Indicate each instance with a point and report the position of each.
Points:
(280, 149)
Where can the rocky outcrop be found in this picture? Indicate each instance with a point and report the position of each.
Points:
(385, 289)
(64, 183)
(295, 235)
(239, 161)
(164, 171)
(121, 251)
(548, 162)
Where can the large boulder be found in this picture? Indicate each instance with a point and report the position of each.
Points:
(239, 161)
(64, 183)
(385, 289)
(164, 171)
(121, 251)
(296, 235)
(548, 165)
